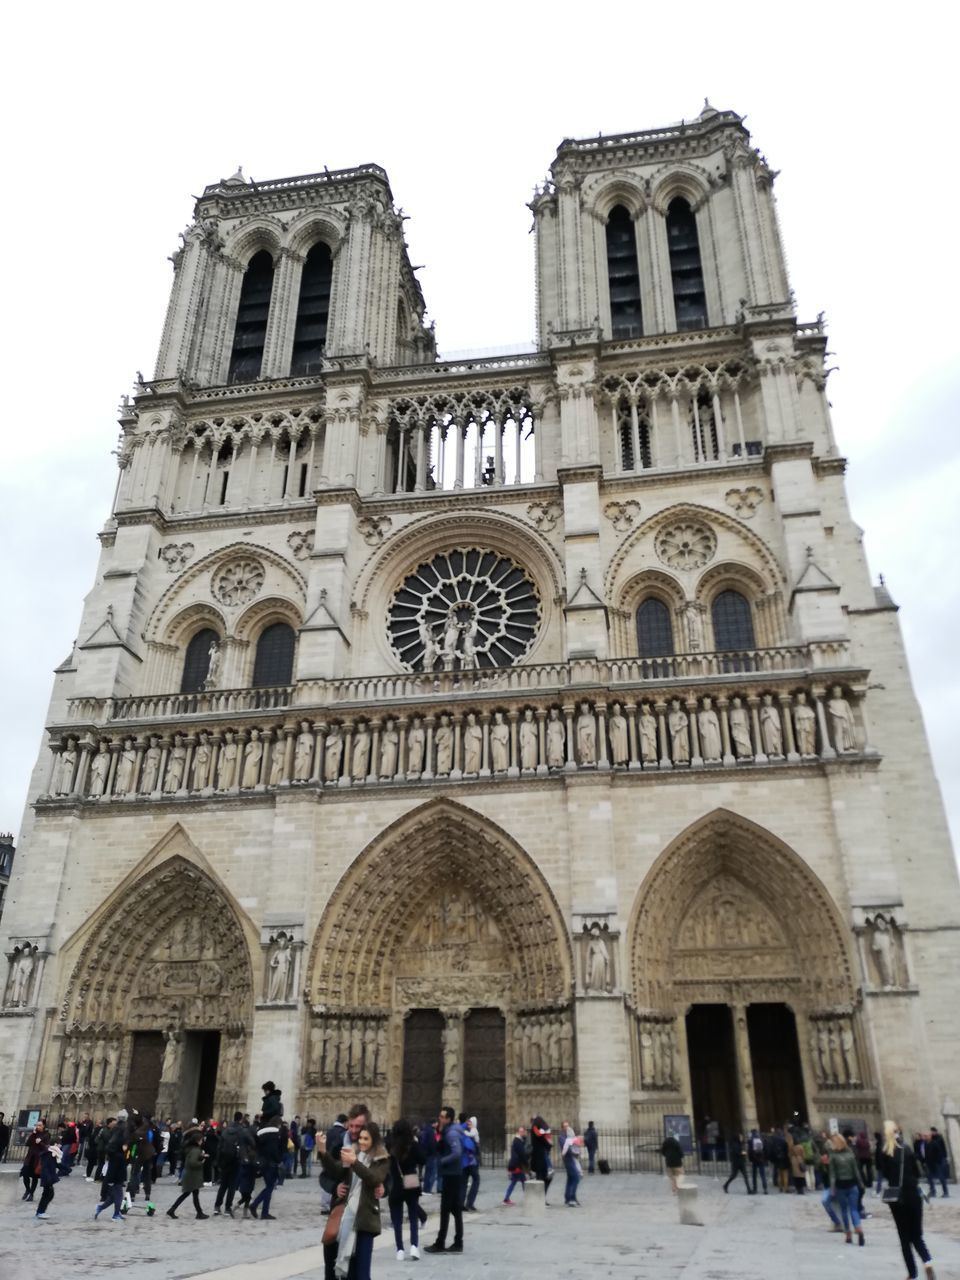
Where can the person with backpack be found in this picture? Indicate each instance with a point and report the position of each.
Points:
(757, 1153)
(470, 1179)
(142, 1151)
(231, 1148)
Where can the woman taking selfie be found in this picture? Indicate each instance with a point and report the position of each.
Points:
(364, 1168)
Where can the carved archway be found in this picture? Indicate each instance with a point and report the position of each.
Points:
(443, 910)
(166, 954)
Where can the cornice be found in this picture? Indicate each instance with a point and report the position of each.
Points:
(440, 500)
(829, 466)
(240, 519)
(329, 187)
(787, 452)
(751, 468)
(584, 474)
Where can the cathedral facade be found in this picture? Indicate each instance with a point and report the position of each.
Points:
(523, 733)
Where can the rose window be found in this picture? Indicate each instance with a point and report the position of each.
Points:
(237, 582)
(686, 546)
(463, 610)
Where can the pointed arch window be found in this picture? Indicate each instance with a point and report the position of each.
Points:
(654, 637)
(250, 335)
(310, 335)
(686, 269)
(196, 664)
(623, 273)
(732, 622)
(273, 664)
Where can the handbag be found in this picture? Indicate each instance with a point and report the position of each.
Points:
(891, 1195)
(331, 1228)
(411, 1182)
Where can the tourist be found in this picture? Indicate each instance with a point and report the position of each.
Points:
(757, 1150)
(672, 1153)
(85, 1130)
(142, 1152)
(863, 1150)
(211, 1151)
(270, 1158)
(429, 1134)
(4, 1137)
(711, 1141)
(192, 1179)
(518, 1163)
(334, 1141)
(114, 1167)
(247, 1176)
(231, 1150)
(470, 1176)
(49, 1175)
(898, 1164)
(91, 1151)
(406, 1162)
(356, 1119)
(798, 1166)
(780, 1159)
(541, 1140)
(845, 1184)
(69, 1145)
(451, 1164)
(308, 1140)
(364, 1169)
(938, 1167)
(37, 1142)
(737, 1152)
(591, 1142)
(570, 1154)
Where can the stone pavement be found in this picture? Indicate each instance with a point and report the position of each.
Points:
(628, 1227)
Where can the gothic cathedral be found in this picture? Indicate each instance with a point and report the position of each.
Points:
(523, 733)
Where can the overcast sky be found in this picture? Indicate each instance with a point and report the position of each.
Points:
(116, 115)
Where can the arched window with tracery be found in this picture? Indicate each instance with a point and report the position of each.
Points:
(655, 637)
(250, 335)
(686, 269)
(196, 663)
(310, 335)
(733, 630)
(273, 664)
(623, 274)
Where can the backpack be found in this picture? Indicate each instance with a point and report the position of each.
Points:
(756, 1145)
(469, 1150)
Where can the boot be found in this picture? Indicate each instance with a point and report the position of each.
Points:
(860, 1239)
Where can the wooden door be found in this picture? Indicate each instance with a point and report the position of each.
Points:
(146, 1066)
(422, 1065)
(485, 1075)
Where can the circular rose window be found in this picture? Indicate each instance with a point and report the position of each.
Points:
(462, 610)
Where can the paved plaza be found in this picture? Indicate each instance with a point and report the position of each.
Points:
(628, 1227)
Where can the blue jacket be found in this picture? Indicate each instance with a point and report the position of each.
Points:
(451, 1151)
(468, 1145)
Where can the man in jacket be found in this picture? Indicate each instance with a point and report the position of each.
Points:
(270, 1156)
(591, 1142)
(757, 1153)
(451, 1197)
(672, 1153)
(347, 1134)
(335, 1136)
(231, 1147)
(936, 1161)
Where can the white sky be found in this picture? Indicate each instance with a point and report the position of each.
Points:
(115, 115)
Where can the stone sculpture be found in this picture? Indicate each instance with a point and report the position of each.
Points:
(598, 962)
(360, 766)
(212, 679)
(389, 746)
(332, 754)
(805, 726)
(415, 747)
(882, 950)
(151, 768)
(126, 766)
(252, 758)
(200, 768)
(648, 734)
(280, 966)
(586, 735)
(444, 743)
(500, 743)
(740, 730)
(99, 769)
(68, 762)
(303, 753)
(528, 741)
(556, 740)
(679, 739)
(619, 746)
(277, 760)
(841, 721)
(709, 723)
(472, 745)
(176, 765)
(21, 973)
(771, 730)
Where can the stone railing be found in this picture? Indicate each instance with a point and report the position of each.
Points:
(738, 721)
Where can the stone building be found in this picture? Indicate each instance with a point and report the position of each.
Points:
(522, 732)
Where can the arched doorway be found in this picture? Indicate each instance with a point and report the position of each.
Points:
(441, 973)
(159, 1005)
(746, 1010)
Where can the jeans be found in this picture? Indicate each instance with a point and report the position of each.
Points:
(734, 1170)
(362, 1257)
(431, 1173)
(470, 1178)
(591, 1160)
(180, 1199)
(572, 1166)
(246, 1180)
(306, 1159)
(66, 1164)
(269, 1182)
(451, 1198)
(515, 1178)
(828, 1204)
(762, 1169)
(411, 1201)
(229, 1175)
(937, 1173)
(848, 1199)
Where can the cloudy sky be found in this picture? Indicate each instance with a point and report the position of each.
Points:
(117, 114)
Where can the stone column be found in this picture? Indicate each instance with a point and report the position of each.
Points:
(691, 710)
(603, 760)
(741, 1039)
(373, 771)
(661, 710)
(453, 1058)
(786, 716)
(826, 749)
(513, 770)
(571, 743)
(456, 771)
(542, 766)
(723, 705)
(485, 763)
(429, 722)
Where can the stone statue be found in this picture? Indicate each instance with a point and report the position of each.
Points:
(529, 745)
(332, 754)
(444, 741)
(648, 734)
(20, 976)
(361, 752)
(200, 768)
(213, 665)
(566, 1045)
(315, 1059)
(666, 1045)
(227, 762)
(430, 651)
(113, 1064)
(472, 745)
(598, 961)
(586, 735)
(451, 635)
(68, 1067)
(771, 730)
(471, 631)
(679, 739)
(415, 747)
(500, 744)
(176, 764)
(836, 1062)
(369, 1052)
(841, 720)
(389, 746)
(556, 740)
(280, 970)
(534, 1046)
(251, 760)
(553, 1045)
(619, 746)
(172, 1055)
(151, 768)
(303, 755)
(710, 744)
(816, 1054)
(805, 726)
(68, 762)
(740, 730)
(647, 1072)
(99, 769)
(123, 782)
(882, 950)
(381, 1074)
(277, 754)
(99, 1062)
(849, 1054)
(451, 1051)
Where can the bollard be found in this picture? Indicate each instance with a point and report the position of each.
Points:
(534, 1198)
(687, 1200)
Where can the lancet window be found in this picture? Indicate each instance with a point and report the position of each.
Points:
(313, 309)
(686, 269)
(273, 664)
(732, 622)
(250, 334)
(654, 636)
(633, 428)
(623, 274)
(196, 663)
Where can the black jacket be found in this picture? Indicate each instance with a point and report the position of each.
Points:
(268, 1145)
(271, 1109)
(672, 1153)
(336, 1135)
(891, 1166)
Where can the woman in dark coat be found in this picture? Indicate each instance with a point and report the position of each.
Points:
(541, 1140)
(737, 1151)
(37, 1143)
(365, 1168)
(192, 1179)
(897, 1162)
(406, 1162)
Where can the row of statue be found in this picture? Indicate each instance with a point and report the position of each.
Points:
(348, 1050)
(90, 1065)
(543, 1047)
(833, 1051)
(542, 740)
(657, 1053)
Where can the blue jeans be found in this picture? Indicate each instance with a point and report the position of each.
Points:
(763, 1175)
(827, 1201)
(937, 1173)
(573, 1179)
(362, 1257)
(430, 1173)
(471, 1177)
(269, 1182)
(848, 1199)
(514, 1179)
(411, 1201)
(591, 1160)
